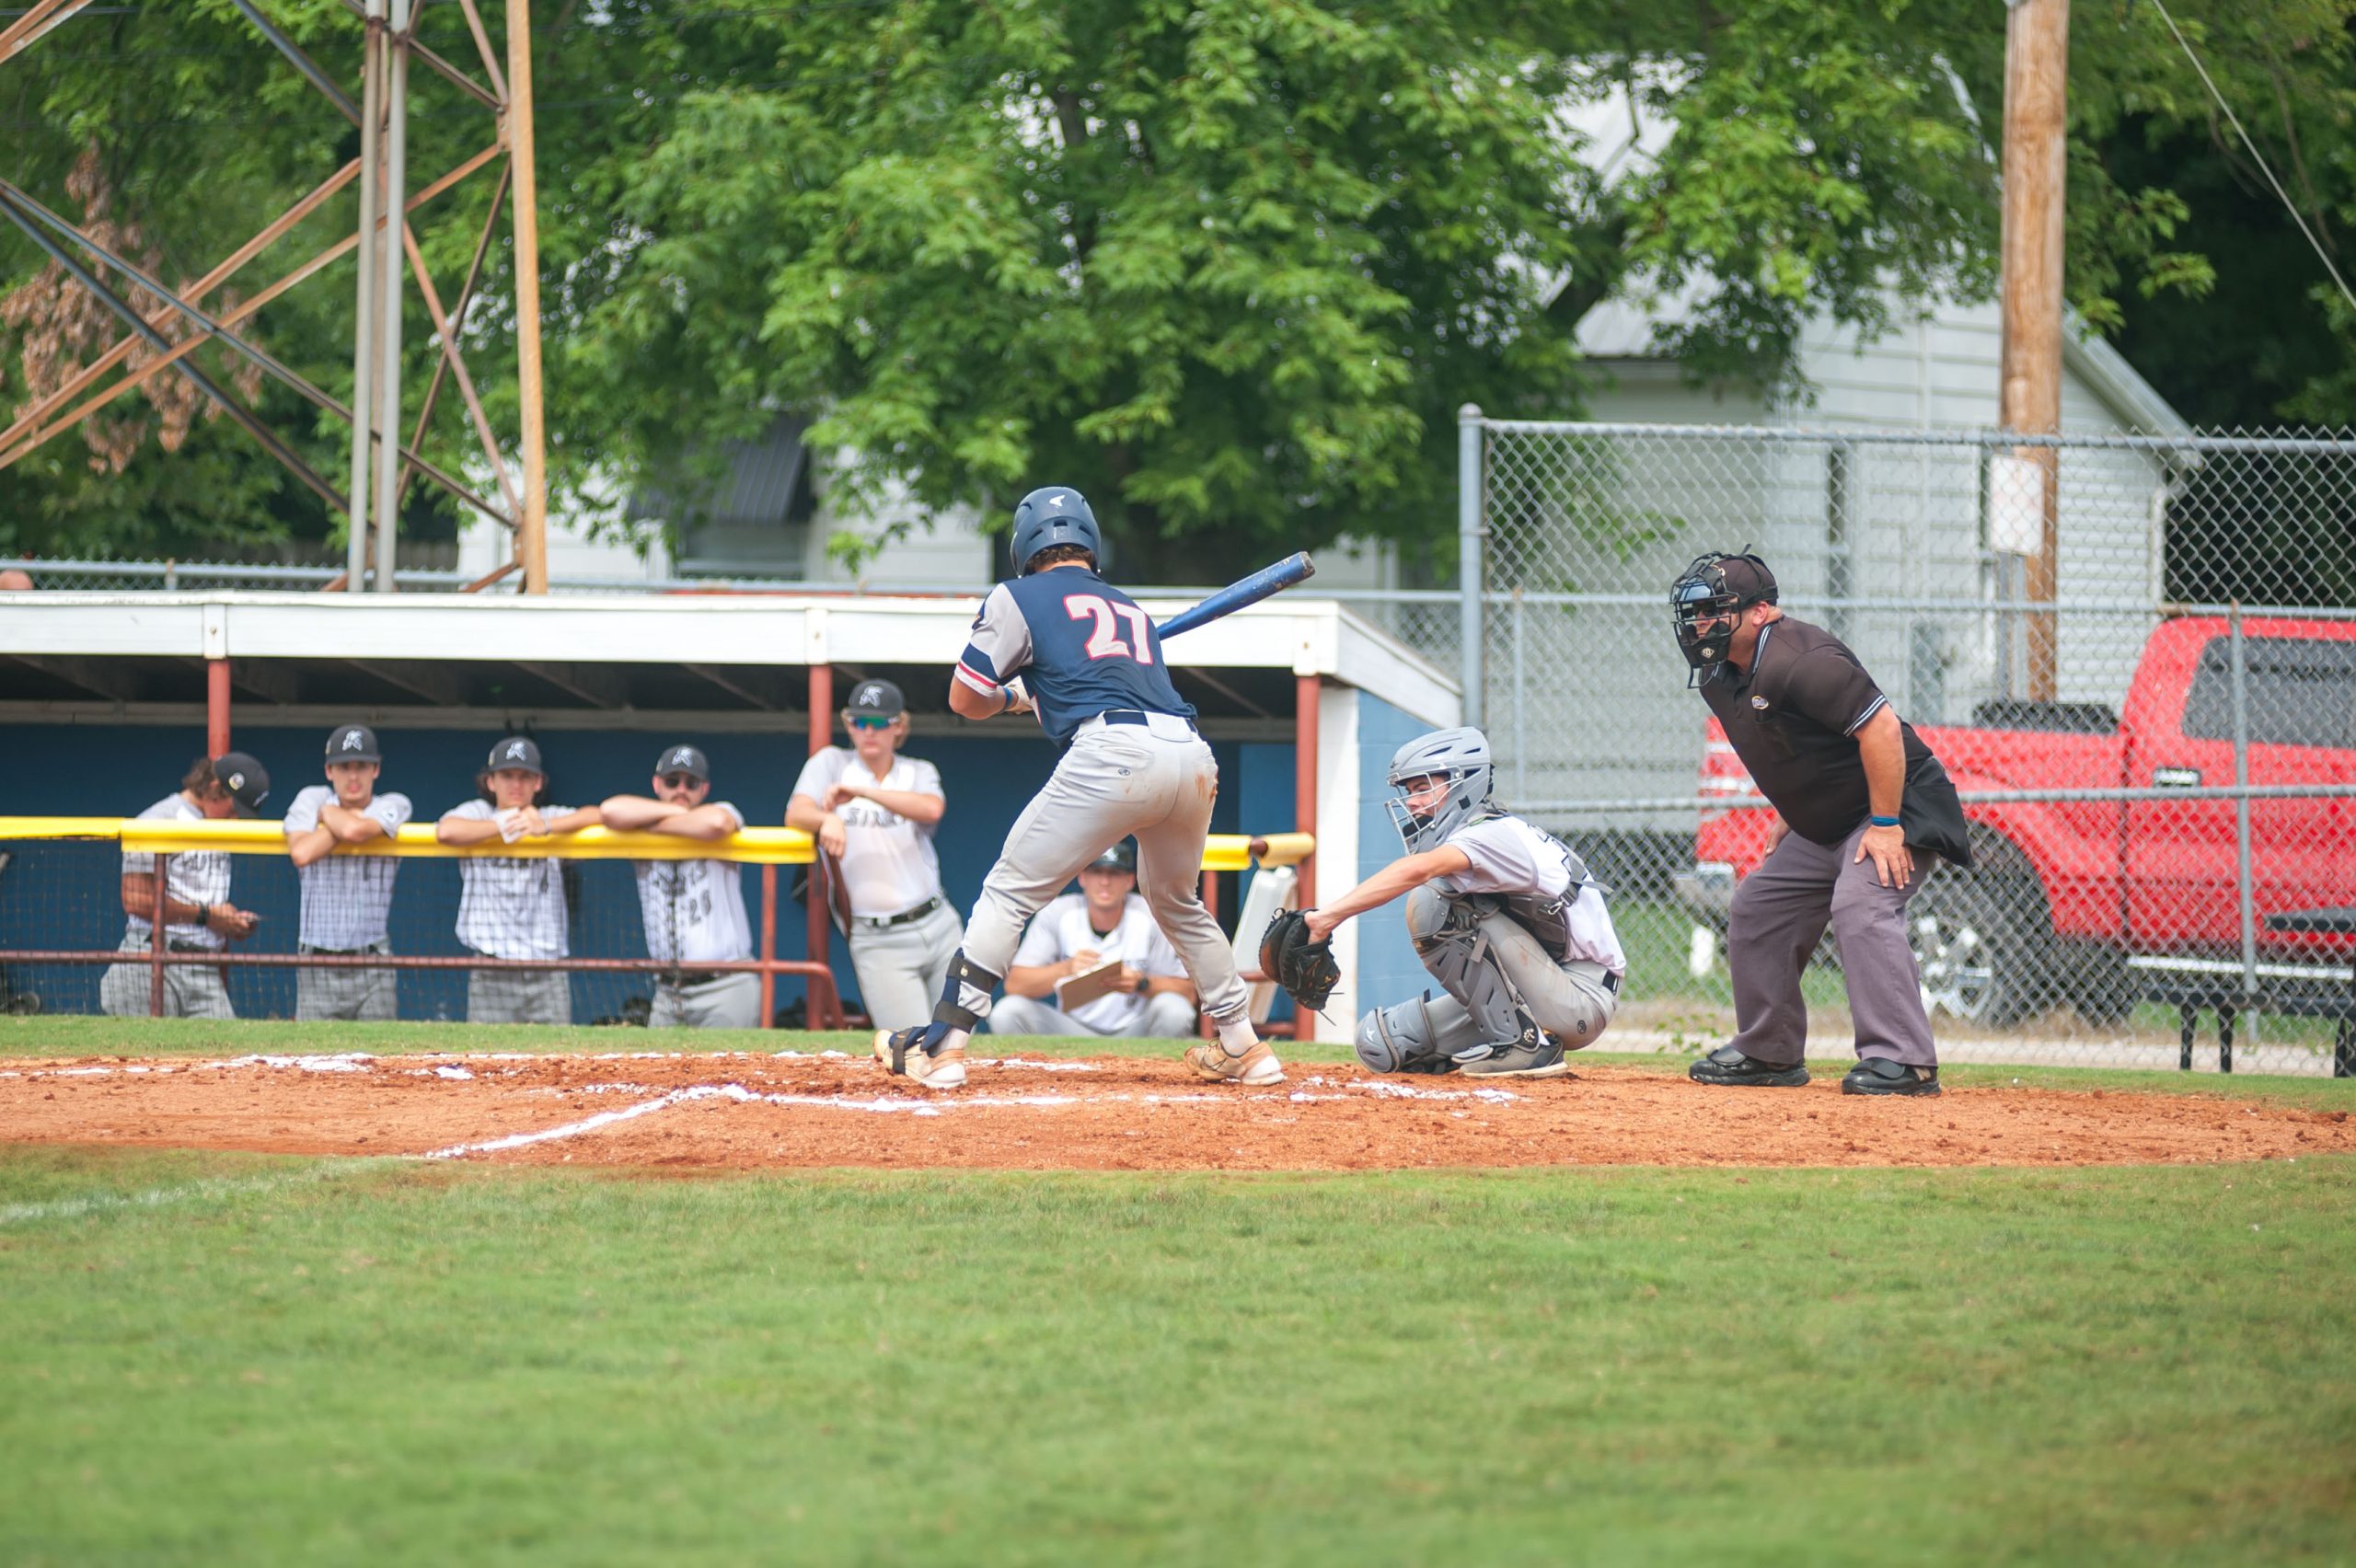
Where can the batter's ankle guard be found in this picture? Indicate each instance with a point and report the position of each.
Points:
(965, 999)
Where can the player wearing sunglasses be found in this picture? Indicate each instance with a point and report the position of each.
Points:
(875, 812)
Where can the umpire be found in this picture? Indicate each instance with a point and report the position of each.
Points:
(1857, 793)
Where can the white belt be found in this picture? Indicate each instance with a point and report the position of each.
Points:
(1161, 726)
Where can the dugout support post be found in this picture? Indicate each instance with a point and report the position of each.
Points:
(1306, 690)
(216, 706)
(819, 940)
(769, 946)
(155, 940)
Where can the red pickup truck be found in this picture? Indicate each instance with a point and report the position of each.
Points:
(2066, 892)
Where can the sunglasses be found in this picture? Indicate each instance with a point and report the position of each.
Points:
(680, 780)
(869, 722)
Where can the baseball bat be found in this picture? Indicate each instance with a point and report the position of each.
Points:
(1294, 568)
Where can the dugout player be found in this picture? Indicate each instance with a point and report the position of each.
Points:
(1077, 933)
(198, 916)
(1503, 915)
(876, 812)
(1132, 764)
(510, 906)
(1857, 793)
(694, 909)
(347, 899)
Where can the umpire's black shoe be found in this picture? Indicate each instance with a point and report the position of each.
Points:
(1880, 1074)
(1728, 1065)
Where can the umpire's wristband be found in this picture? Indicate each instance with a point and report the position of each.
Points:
(1883, 822)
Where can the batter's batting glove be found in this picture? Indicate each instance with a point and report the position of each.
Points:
(1304, 967)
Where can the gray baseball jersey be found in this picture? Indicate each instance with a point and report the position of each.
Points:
(510, 906)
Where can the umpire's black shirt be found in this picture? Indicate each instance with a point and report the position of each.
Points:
(1793, 718)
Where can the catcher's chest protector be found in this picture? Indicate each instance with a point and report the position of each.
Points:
(1548, 919)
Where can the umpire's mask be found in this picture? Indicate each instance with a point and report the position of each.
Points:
(1706, 603)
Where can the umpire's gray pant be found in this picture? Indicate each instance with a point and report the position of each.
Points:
(1780, 911)
(338, 994)
(1165, 1017)
(902, 969)
(191, 990)
(732, 1001)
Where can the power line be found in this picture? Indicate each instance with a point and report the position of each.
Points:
(2264, 168)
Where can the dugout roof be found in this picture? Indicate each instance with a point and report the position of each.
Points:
(733, 659)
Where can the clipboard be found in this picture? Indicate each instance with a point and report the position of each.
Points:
(1078, 990)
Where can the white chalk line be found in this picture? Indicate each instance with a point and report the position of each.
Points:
(190, 1192)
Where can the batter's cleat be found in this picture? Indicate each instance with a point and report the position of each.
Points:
(1728, 1065)
(1880, 1074)
(1534, 1054)
(913, 1054)
(1256, 1068)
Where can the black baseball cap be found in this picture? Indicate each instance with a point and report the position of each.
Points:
(245, 778)
(1747, 579)
(876, 700)
(516, 751)
(1121, 856)
(684, 759)
(353, 743)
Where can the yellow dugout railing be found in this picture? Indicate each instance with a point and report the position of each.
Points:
(754, 845)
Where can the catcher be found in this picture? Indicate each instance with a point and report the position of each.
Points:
(1503, 914)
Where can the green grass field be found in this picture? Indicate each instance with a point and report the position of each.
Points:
(217, 1357)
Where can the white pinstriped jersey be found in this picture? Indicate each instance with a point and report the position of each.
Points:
(347, 899)
(508, 906)
(201, 877)
(695, 909)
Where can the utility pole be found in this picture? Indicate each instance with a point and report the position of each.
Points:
(531, 527)
(2037, 72)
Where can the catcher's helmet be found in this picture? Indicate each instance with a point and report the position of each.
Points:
(1460, 755)
(1706, 600)
(1056, 515)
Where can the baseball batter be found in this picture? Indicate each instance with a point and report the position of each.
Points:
(878, 814)
(1132, 764)
(1503, 914)
(198, 916)
(347, 899)
(510, 906)
(694, 909)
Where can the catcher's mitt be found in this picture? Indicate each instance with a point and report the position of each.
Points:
(1303, 967)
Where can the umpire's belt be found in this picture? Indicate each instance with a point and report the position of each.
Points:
(1168, 726)
(886, 922)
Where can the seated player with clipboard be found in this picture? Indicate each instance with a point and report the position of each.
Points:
(1094, 964)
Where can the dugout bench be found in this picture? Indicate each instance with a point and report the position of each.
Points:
(2219, 990)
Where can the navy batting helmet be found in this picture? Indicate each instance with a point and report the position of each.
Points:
(1056, 515)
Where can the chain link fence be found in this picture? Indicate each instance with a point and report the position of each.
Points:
(2136, 655)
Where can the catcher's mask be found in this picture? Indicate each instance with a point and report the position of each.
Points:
(1460, 759)
(1706, 604)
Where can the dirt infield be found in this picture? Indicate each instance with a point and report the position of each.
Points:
(742, 1110)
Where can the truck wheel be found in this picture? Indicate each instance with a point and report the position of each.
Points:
(1981, 947)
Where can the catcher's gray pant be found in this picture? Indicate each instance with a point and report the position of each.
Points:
(346, 995)
(1780, 911)
(519, 995)
(1490, 970)
(732, 1001)
(1155, 780)
(902, 969)
(1166, 1017)
(191, 990)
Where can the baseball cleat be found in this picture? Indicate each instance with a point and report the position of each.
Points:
(1880, 1074)
(910, 1054)
(1534, 1054)
(1256, 1068)
(1728, 1065)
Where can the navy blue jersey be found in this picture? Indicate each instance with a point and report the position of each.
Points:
(1081, 645)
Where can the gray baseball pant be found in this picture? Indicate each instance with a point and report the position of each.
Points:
(519, 995)
(191, 990)
(323, 995)
(902, 969)
(732, 1001)
(1166, 1017)
(1157, 782)
(1780, 911)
